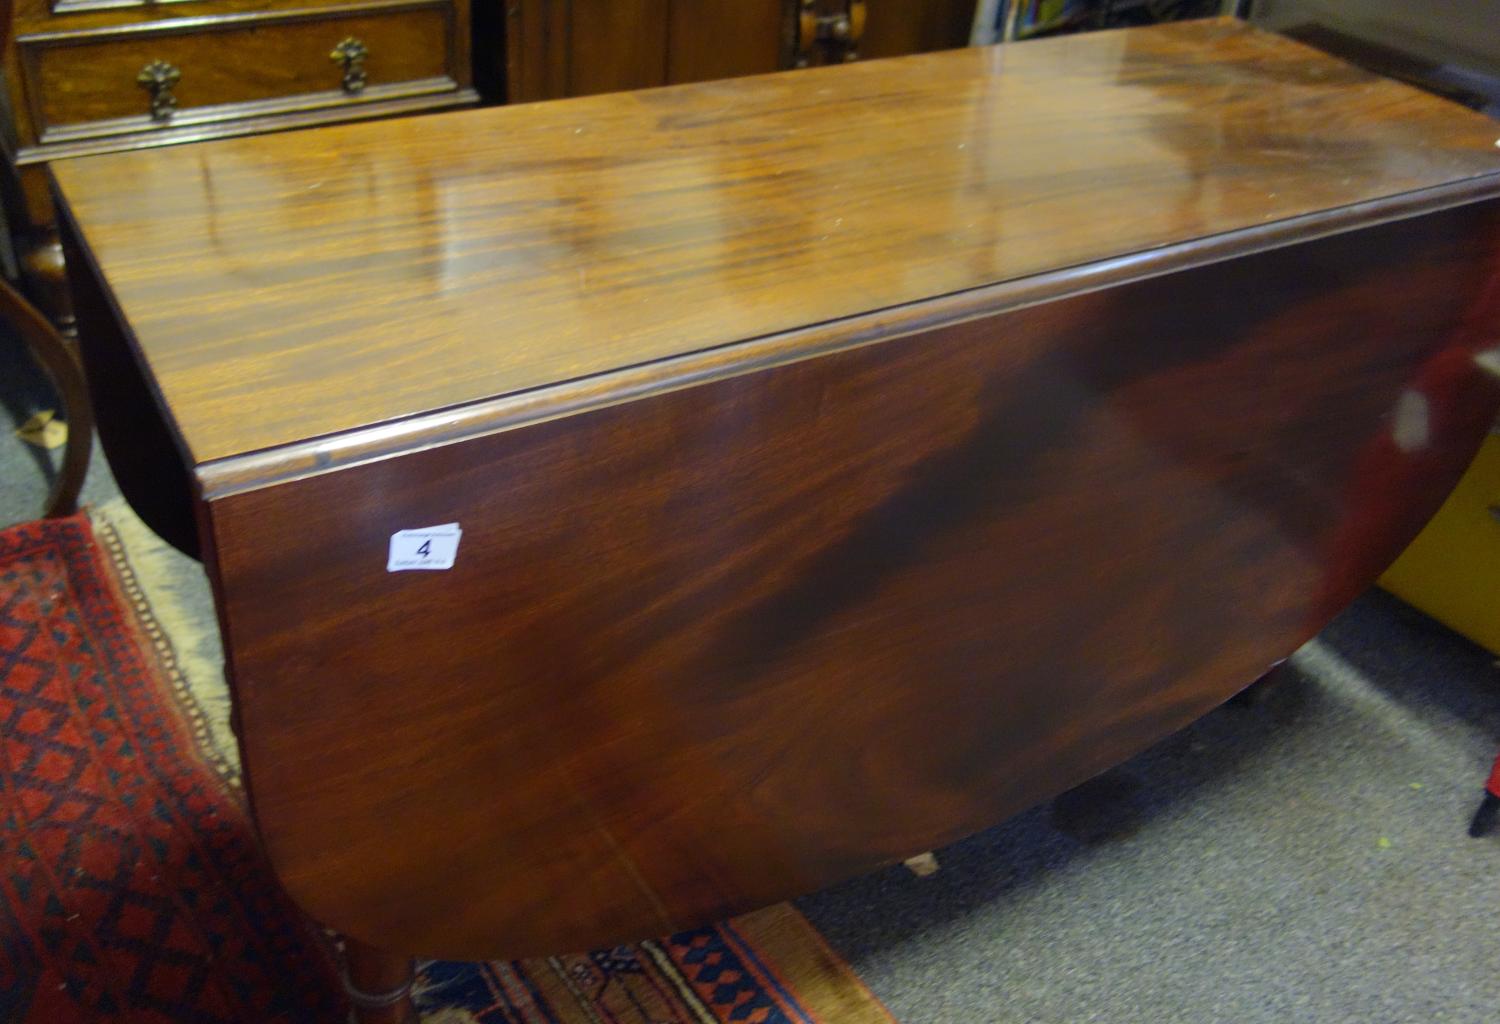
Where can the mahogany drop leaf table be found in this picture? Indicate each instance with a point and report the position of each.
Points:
(813, 468)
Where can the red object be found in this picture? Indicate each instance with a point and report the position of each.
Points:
(1450, 397)
(1489, 807)
(131, 885)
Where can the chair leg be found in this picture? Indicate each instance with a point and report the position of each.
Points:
(379, 985)
(68, 484)
(59, 359)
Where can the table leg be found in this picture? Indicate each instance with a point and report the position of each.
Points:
(378, 985)
(46, 275)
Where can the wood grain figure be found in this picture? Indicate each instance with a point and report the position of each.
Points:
(831, 487)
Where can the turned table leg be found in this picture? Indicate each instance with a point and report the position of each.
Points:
(378, 985)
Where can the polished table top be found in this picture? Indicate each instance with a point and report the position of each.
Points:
(300, 285)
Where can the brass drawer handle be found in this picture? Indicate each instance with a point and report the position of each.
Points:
(157, 78)
(351, 53)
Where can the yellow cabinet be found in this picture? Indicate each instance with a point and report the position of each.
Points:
(1452, 570)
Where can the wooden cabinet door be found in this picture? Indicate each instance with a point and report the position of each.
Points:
(726, 38)
(894, 27)
(616, 44)
(557, 48)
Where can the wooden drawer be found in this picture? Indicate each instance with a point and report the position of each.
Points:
(82, 85)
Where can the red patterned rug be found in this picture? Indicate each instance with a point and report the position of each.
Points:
(132, 889)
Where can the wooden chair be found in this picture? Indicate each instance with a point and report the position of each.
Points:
(58, 358)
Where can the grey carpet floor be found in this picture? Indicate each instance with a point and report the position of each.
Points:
(26, 471)
(1301, 860)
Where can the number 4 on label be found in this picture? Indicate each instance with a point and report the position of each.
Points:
(432, 547)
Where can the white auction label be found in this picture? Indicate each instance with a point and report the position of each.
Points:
(431, 547)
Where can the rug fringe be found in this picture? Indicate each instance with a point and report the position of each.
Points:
(157, 580)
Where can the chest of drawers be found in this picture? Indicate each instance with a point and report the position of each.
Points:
(98, 76)
(95, 75)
